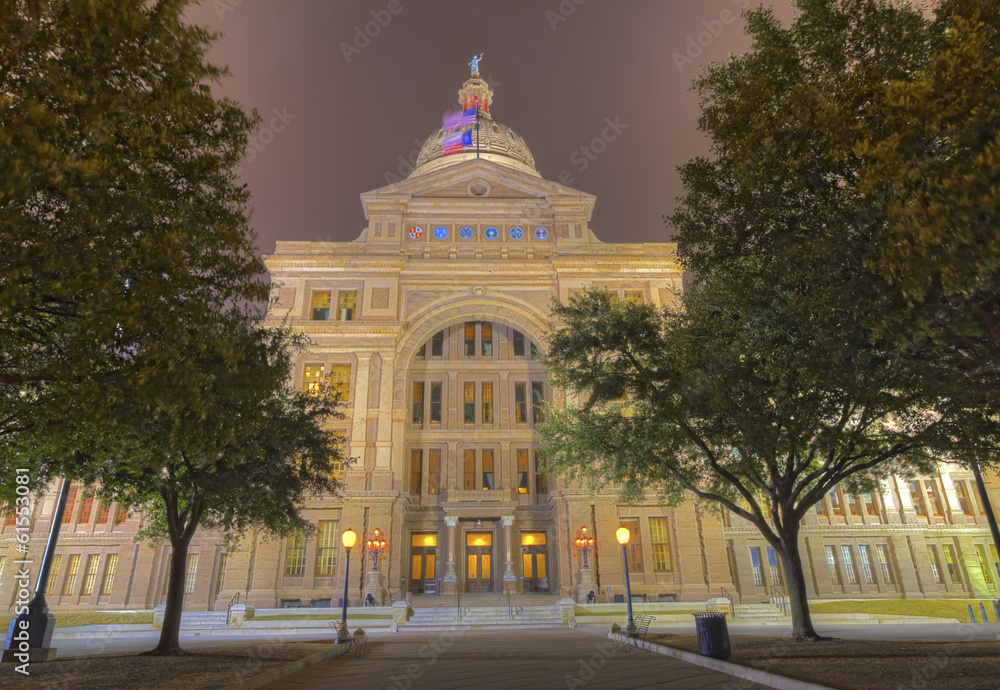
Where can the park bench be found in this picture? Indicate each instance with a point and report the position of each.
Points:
(358, 642)
(638, 633)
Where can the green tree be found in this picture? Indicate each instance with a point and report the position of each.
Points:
(120, 215)
(247, 459)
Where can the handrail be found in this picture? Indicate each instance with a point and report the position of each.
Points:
(458, 601)
(732, 601)
(510, 611)
(779, 598)
(229, 609)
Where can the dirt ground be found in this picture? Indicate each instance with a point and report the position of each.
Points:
(205, 668)
(865, 664)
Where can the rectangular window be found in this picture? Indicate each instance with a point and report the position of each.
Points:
(70, 504)
(996, 561)
(102, 513)
(337, 466)
(90, 577)
(932, 497)
(470, 402)
(85, 509)
(312, 378)
(821, 507)
(659, 538)
(522, 471)
(326, 548)
(470, 340)
(422, 352)
(418, 402)
(537, 402)
(295, 555)
(435, 403)
(469, 470)
(915, 497)
(487, 336)
(883, 561)
(340, 380)
(520, 400)
(192, 569)
(109, 574)
(963, 497)
(220, 578)
(50, 588)
(772, 566)
(487, 402)
(871, 507)
(984, 564)
(634, 547)
(347, 303)
(321, 305)
(835, 502)
(437, 344)
(434, 471)
(952, 563)
(866, 564)
(852, 576)
(416, 463)
(487, 469)
(71, 572)
(831, 563)
(855, 506)
(541, 479)
(518, 339)
(758, 572)
(633, 297)
(932, 556)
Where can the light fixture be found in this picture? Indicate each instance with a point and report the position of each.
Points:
(479, 523)
(622, 535)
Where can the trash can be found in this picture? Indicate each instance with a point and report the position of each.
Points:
(713, 635)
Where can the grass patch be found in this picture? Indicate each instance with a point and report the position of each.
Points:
(578, 611)
(935, 608)
(319, 617)
(72, 619)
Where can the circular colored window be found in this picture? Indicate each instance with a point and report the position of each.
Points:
(491, 233)
(465, 233)
(541, 233)
(416, 232)
(441, 232)
(516, 233)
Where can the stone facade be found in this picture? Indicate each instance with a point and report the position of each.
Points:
(431, 321)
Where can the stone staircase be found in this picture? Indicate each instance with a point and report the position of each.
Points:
(759, 614)
(203, 620)
(477, 611)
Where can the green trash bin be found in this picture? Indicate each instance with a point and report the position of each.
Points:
(713, 635)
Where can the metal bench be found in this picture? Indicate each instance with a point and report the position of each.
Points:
(359, 643)
(638, 633)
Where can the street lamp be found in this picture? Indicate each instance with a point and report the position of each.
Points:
(623, 536)
(348, 538)
(585, 544)
(376, 547)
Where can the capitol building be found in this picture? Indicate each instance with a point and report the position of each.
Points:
(431, 323)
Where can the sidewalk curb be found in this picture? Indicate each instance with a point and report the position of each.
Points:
(752, 674)
(273, 675)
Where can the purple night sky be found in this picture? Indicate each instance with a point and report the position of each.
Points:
(339, 120)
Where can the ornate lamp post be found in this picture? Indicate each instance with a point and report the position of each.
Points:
(584, 544)
(376, 547)
(622, 534)
(348, 539)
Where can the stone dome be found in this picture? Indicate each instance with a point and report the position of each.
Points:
(497, 142)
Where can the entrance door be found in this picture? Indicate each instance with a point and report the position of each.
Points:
(423, 561)
(479, 562)
(534, 561)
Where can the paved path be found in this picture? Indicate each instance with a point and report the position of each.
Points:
(495, 660)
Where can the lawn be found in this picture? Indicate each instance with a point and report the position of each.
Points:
(67, 619)
(935, 608)
(334, 615)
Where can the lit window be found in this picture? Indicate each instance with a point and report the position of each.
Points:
(70, 502)
(50, 588)
(883, 561)
(634, 546)
(469, 470)
(984, 564)
(295, 555)
(470, 402)
(416, 467)
(659, 537)
(192, 569)
(109, 573)
(321, 305)
(340, 380)
(326, 551)
(522, 471)
(434, 471)
(831, 563)
(487, 336)
(487, 402)
(102, 513)
(866, 564)
(852, 576)
(90, 578)
(487, 470)
(85, 509)
(821, 507)
(520, 403)
(855, 506)
(633, 298)
(337, 466)
(870, 506)
(312, 378)
(71, 572)
(347, 303)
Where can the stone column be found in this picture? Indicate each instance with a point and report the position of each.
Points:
(509, 579)
(450, 582)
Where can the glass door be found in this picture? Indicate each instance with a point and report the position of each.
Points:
(479, 562)
(534, 562)
(423, 561)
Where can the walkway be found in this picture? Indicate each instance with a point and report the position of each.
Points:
(488, 660)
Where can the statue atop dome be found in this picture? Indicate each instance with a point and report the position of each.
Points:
(475, 63)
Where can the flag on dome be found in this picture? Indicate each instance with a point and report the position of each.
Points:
(455, 143)
(456, 120)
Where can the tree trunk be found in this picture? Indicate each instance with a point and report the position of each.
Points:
(795, 583)
(170, 632)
